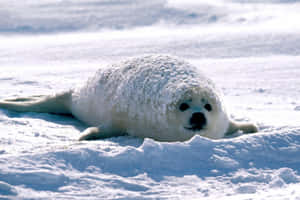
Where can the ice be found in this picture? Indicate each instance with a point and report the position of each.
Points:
(250, 49)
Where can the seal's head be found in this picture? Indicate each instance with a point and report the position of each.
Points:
(199, 111)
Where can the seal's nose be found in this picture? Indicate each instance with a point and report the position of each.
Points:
(198, 119)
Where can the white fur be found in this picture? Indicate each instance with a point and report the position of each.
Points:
(141, 97)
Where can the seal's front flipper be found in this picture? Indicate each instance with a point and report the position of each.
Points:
(239, 126)
(94, 133)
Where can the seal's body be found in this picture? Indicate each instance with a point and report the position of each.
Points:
(156, 96)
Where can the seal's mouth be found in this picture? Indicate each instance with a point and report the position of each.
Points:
(195, 128)
(197, 122)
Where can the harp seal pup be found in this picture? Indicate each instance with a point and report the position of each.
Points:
(154, 96)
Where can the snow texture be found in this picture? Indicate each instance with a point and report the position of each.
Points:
(250, 49)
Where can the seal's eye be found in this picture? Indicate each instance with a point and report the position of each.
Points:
(183, 107)
(208, 107)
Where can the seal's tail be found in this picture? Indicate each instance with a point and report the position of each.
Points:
(57, 104)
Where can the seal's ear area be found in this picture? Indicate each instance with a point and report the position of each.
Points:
(239, 126)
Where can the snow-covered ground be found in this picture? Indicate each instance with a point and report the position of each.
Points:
(250, 48)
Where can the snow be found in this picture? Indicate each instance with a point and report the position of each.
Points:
(249, 48)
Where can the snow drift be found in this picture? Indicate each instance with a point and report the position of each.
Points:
(250, 49)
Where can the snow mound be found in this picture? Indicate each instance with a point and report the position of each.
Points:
(136, 168)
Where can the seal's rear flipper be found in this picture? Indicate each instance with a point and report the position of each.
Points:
(57, 104)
